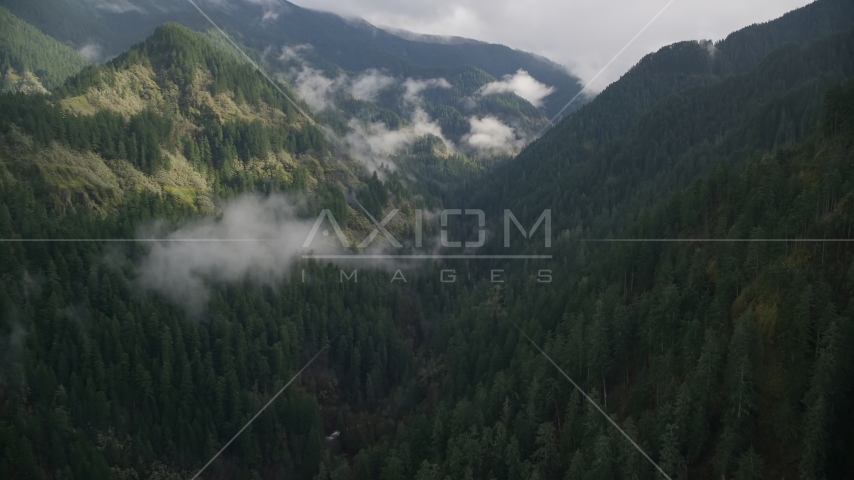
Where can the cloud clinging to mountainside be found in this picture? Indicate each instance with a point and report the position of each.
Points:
(368, 85)
(256, 238)
(115, 6)
(372, 143)
(522, 84)
(92, 52)
(490, 134)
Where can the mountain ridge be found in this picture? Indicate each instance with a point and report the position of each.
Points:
(127, 356)
(31, 61)
(673, 69)
(367, 46)
(166, 97)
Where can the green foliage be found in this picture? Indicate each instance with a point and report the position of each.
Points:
(374, 196)
(726, 358)
(679, 138)
(138, 140)
(113, 378)
(684, 337)
(329, 196)
(24, 48)
(179, 53)
(687, 335)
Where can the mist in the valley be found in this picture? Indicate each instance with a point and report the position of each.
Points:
(114, 6)
(262, 238)
(256, 238)
(92, 52)
(374, 143)
(523, 85)
(369, 85)
(491, 135)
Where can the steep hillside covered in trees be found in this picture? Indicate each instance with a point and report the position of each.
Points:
(701, 280)
(669, 142)
(24, 51)
(173, 113)
(147, 138)
(329, 45)
(729, 358)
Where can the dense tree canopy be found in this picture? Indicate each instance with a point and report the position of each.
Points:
(700, 288)
(24, 49)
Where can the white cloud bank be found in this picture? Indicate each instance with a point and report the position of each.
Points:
(293, 52)
(92, 52)
(316, 89)
(372, 143)
(375, 143)
(522, 84)
(489, 134)
(115, 6)
(413, 88)
(368, 85)
(181, 270)
(378, 139)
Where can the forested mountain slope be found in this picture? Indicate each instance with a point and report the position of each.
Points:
(26, 52)
(102, 378)
(173, 114)
(722, 359)
(745, 48)
(329, 46)
(357, 45)
(183, 116)
(351, 47)
(601, 179)
(727, 358)
(672, 69)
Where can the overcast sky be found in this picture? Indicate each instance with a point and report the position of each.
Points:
(584, 36)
